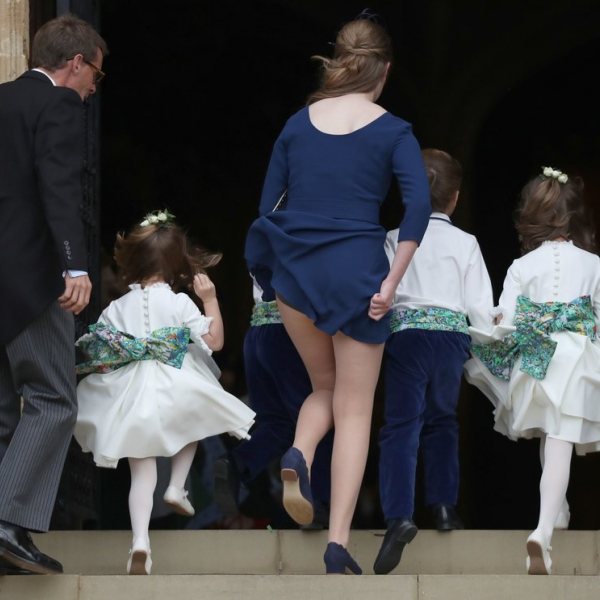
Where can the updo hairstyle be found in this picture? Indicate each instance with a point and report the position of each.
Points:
(362, 51)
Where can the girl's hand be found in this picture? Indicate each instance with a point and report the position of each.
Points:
(204, 288)
(382, 301)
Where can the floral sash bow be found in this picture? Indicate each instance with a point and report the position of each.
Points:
(534, 322)
(107, 349)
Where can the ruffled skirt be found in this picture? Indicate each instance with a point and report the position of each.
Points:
(565, 404)
(148, 409)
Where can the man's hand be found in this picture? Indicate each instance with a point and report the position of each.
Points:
(77, 293)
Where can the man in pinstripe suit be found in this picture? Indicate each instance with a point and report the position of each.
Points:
(43, 279)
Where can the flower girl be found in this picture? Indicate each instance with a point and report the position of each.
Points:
(150, 392)
(540, 366)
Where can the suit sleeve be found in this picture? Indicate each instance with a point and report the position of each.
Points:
(59, 145)
(410, 172)
(276, 179)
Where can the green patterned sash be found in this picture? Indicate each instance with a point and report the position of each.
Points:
(534, 322)
(107, 348)
(265, 313)
(432, 319)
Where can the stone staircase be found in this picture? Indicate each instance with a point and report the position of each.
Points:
(252, 565)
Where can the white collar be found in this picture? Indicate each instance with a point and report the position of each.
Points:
(46, 74)
(440, 215)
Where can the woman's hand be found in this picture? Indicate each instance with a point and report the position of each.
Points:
(382, 301)
(204, 288)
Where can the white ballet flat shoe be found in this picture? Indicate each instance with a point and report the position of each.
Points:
(538, 555)
(177, 499)
(139, 562)
(564, 516)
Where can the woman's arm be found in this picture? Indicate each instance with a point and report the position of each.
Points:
(382, 301)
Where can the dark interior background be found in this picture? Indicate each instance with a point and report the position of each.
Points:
(196, 93)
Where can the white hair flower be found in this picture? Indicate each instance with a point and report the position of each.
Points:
(158, 217)
(555, 174)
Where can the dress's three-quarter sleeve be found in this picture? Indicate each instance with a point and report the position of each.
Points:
(410, 172)
(276, 179)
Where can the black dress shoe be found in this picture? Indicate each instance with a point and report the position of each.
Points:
(7, 568)
(227, 486)
(399, 533)
(18, 549)
(446, 518)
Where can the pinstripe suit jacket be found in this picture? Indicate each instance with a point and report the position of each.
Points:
(41, 166)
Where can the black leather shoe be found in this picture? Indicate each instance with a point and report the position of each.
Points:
(18, 549)
(399, 533)
(227, 486)
(7, 568)
(446, 518)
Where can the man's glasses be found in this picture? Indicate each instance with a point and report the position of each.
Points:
(99, 74)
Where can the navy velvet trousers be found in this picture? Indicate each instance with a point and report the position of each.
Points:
(423, 371)
(277, 386)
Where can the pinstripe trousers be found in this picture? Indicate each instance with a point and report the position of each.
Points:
(39, 366)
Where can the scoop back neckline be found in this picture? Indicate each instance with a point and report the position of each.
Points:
(341, 135)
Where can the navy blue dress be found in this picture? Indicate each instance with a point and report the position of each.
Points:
(323, 253)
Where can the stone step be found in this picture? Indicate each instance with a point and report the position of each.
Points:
(299, 587)
(287, 552)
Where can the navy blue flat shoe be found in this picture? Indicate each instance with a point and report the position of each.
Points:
(297, 495)
(338, 561)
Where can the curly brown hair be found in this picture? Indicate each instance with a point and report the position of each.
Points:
(549, 209)
(161, 251)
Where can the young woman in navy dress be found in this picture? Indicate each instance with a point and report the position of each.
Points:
(323, 254)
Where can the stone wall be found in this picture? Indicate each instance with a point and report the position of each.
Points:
(14, 38)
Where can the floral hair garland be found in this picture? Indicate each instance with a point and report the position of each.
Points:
(550, 172)
(158, 217)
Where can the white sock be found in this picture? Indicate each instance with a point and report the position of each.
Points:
(143, 482)
(554, 482)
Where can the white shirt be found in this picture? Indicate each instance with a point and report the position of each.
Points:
(447, 271)
(553, 272)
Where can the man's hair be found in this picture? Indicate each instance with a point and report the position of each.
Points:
(61, 39)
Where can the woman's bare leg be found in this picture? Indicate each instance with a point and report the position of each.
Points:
(357, 371)
(316, 351)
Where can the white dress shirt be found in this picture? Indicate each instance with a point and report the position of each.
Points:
(447, 271)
